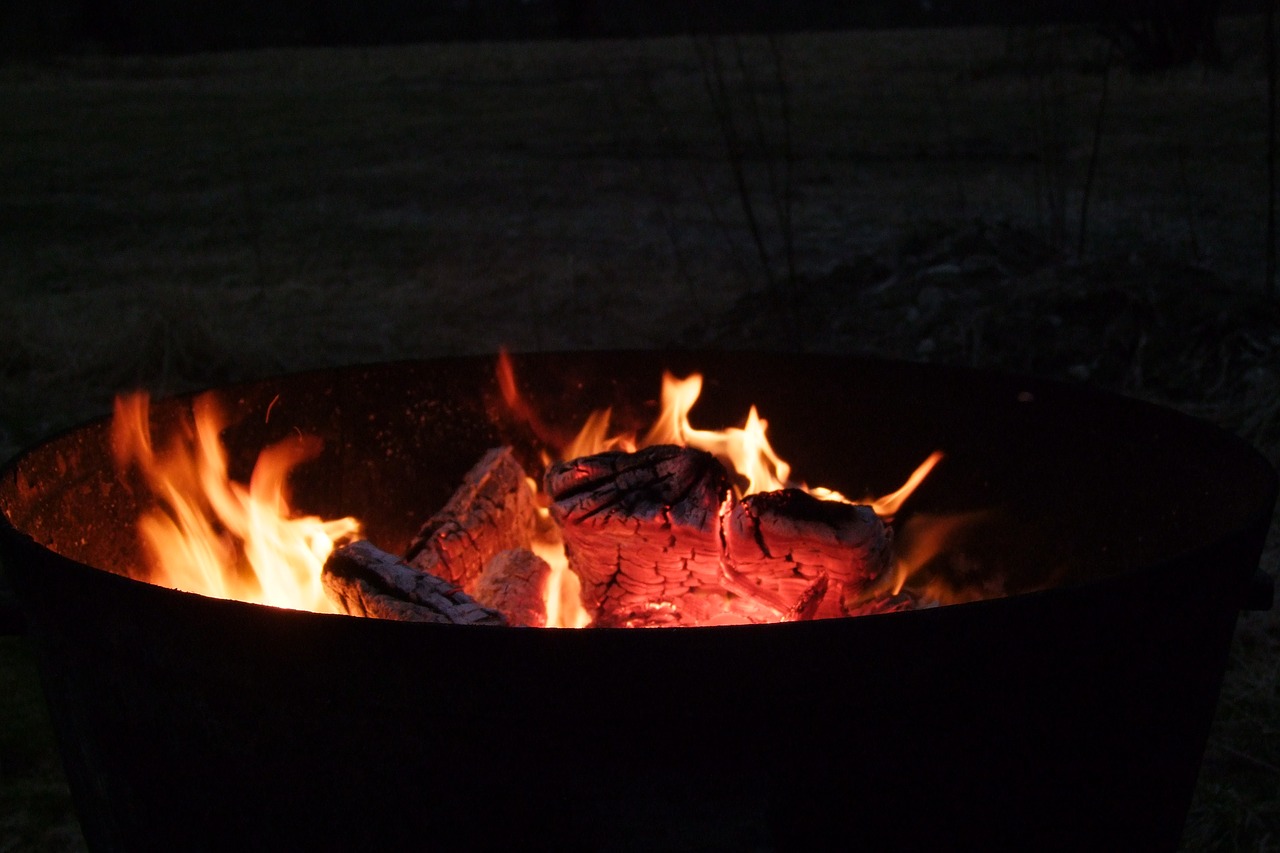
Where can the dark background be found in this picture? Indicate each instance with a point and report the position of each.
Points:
(1156, 32)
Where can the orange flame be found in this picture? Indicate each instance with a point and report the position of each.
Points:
(888, 505)
(564, 590)
(924, 538)
(225, 539)
(745, 450)
(220, 538)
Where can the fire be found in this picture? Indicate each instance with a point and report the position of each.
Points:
(745, 450)
(211, 535)
(220, 538)
(564, 591)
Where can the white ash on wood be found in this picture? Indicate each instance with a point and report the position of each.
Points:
(469, 564)
(514, 583)
(365, 581)
(491, 511)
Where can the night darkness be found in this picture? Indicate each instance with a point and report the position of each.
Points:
(1169, 32)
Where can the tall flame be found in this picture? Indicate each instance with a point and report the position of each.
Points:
(745, 450)
(217, 537)
(746, 447)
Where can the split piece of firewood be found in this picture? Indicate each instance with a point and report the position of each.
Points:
(514, 583)
(492, 511)
(365, 581)
(780, 545)
(642, 532)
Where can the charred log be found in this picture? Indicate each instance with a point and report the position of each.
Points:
(642, 532)
(779, 545)
(492, 511)
(365, 581)
(656, 539)
(881, 602)
(514, 583)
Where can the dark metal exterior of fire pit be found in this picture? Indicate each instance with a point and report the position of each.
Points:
(1071, 714)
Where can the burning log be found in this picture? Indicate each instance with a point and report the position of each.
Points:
(657, 539)
(365, 581)
(515, 584)
(642, 532)
(491, 512)
(883, 602)
(780, 545)
(469, 564)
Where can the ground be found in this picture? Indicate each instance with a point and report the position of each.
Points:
(1000, 198)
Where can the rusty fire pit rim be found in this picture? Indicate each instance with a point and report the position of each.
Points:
(17, 545)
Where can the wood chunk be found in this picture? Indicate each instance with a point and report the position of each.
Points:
(656, 540)
(642, 532)
(492, 511)
(884, 602)
(365, 581)
(779, 545)
(514, 583)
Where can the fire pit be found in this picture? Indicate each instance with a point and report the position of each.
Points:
(1067, 708)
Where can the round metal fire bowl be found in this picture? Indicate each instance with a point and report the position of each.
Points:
(1071, 713)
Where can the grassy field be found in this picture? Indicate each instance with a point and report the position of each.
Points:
(182, 222)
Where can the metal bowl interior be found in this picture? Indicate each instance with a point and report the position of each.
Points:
(1077, 485)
